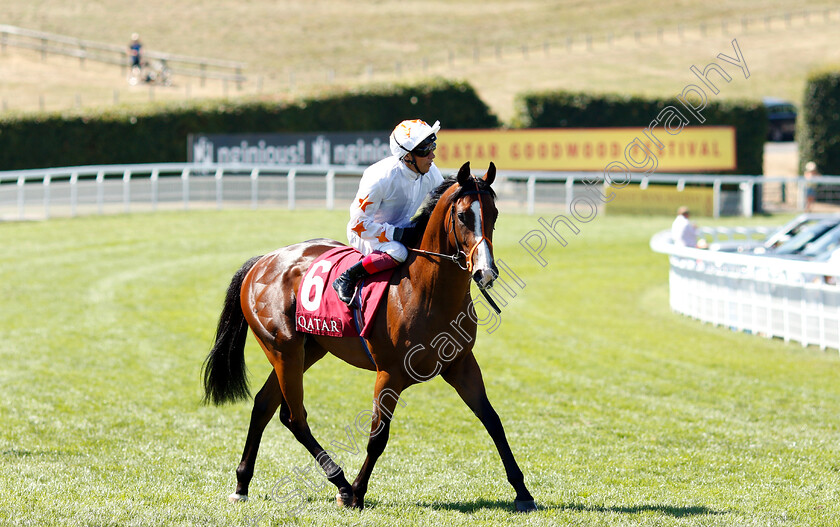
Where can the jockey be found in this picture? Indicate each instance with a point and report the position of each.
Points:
(389, 194)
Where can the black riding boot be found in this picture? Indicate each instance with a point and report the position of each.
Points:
(345, 285)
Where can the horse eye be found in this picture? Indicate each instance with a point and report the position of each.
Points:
(463, 217)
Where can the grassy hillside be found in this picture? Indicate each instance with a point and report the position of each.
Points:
(503, 47)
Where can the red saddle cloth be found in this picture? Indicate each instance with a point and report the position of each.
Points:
(319, 310)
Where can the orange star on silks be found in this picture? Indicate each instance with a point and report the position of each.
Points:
(382, 238)
(359, 229)
(363, 203)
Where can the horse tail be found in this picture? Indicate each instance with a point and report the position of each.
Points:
(225, 377)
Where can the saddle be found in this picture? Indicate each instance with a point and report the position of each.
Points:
(319, 311)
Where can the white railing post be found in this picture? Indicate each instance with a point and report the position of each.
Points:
(532, 194)
(74, 194)
(823, 321)
(747, 188)
(330, 190)
(219, 187)
(786, 318)
(570, 192)
(185, 188)
(716, 199)
(154, 181)
(803, 319)
(47, 196)
(127, 191)
(255, 175)
(100, 191)
(20, 197)
(290, 182)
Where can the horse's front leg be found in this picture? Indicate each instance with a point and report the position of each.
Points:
(386, 394)
(465, 377)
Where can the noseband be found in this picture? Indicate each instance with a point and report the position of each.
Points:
(458, 245)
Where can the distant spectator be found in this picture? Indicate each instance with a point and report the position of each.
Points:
(683, 232)
(810, 187)
(135, 54)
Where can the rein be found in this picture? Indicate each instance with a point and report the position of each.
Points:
(454, 258)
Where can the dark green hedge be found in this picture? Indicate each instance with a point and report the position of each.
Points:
(158, 133)
(560, 109)
(818, 131)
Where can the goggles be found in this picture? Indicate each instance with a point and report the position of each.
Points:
(426, 147)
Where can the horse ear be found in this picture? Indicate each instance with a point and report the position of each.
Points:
(490, 176)
(464, 174)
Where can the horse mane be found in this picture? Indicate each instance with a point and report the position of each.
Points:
(421, 217)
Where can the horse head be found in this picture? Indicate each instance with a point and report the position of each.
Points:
(472, 218)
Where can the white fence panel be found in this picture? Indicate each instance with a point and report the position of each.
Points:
(764, 295)
(71, 191)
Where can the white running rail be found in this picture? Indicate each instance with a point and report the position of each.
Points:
(764, 295)
(71, 191)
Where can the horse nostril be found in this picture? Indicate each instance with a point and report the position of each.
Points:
(484, 278)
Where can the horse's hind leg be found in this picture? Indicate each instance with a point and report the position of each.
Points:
(290, 365)
(265, 404)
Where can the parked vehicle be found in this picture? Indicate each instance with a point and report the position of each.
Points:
(775, 238)
(825, 248)
(806, 238)
(820, 248)
(781, 116)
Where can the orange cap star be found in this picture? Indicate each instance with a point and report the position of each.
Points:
(359, 229)
(363, 203)
(382, 238)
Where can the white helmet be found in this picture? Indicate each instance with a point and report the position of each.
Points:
(408, 134)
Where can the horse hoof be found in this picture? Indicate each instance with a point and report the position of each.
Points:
(344, 500)
(236, 498)
(525, 505)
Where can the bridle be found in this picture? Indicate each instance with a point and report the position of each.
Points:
(459, 246)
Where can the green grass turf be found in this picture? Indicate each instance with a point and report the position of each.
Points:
(618, 411)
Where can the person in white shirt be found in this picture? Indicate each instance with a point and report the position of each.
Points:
(683, 233)
(389, 194)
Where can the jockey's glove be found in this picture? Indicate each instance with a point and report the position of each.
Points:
(405, 235)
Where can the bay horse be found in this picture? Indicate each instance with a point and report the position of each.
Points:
(428, 298)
